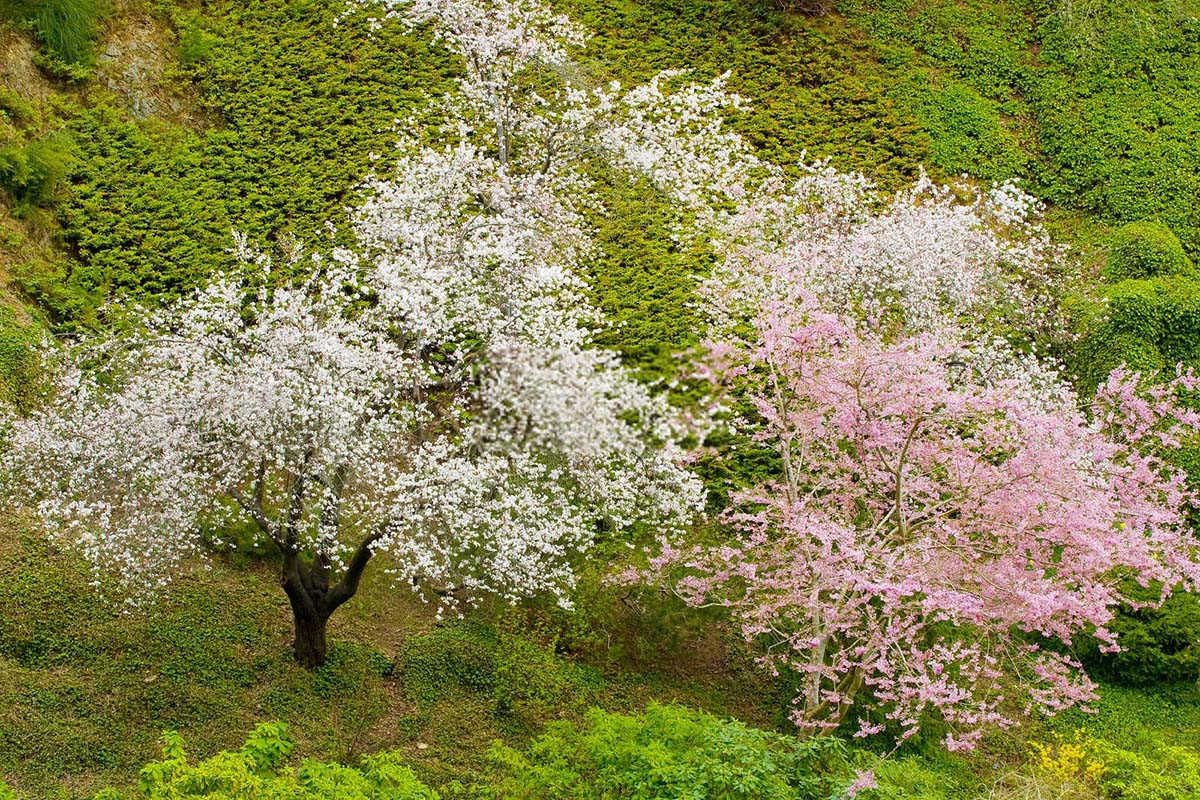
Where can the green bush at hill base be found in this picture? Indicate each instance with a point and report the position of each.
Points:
(518, 676)
(260, 771)
(1146, 250)
(1159, 646)
(1151, 323)
(672, 752)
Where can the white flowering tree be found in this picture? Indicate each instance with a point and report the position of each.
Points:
(429, 398)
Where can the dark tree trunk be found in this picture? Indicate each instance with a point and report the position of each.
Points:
(313, 599)
(309, 642)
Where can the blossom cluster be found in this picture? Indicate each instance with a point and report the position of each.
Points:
(932, 522)
(431, 393)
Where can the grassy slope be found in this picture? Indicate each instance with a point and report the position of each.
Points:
(85, 689)
(280, 112)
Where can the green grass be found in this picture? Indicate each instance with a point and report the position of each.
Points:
(67, 31)
(86, 690)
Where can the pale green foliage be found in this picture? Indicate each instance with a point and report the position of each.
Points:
(260, 771)
(1164, 773)
(669, 752)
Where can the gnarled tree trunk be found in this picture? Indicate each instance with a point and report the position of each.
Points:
(308, 644)
(313, 599)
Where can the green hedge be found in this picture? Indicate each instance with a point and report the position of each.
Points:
(1151, 323)
(1146, 250)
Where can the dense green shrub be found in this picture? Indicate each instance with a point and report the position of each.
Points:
(1119, 110)
(517, 674)
(1105, 349)
(642, 278)
(1159, 645)
(1164, 773)
(1145, 250)
(30, 172)
(260, 771)
(968, 132)
(1165, 311)
(1150, 323)
(668, 752)
(813, 84)
(14, 108)
(1139, 718)
(529, 677)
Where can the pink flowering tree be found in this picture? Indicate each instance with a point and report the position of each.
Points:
(939, 529)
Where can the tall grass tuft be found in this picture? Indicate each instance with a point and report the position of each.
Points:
(68, 29)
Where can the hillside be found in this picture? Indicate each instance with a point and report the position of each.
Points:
(136, 135)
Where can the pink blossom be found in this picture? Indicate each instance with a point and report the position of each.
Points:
(926, 517)
(862, 780)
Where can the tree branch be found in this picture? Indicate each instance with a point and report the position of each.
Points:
(344, 589)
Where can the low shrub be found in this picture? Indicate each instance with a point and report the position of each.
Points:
(14, 107)
(18, 361)
(454, 656)
(914, 778)
(1165, 773)
(1159, 645)
(260, 771)
(1146, 250)
(668, 751)
(520, 676)
(968, 132)
(31, 172)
